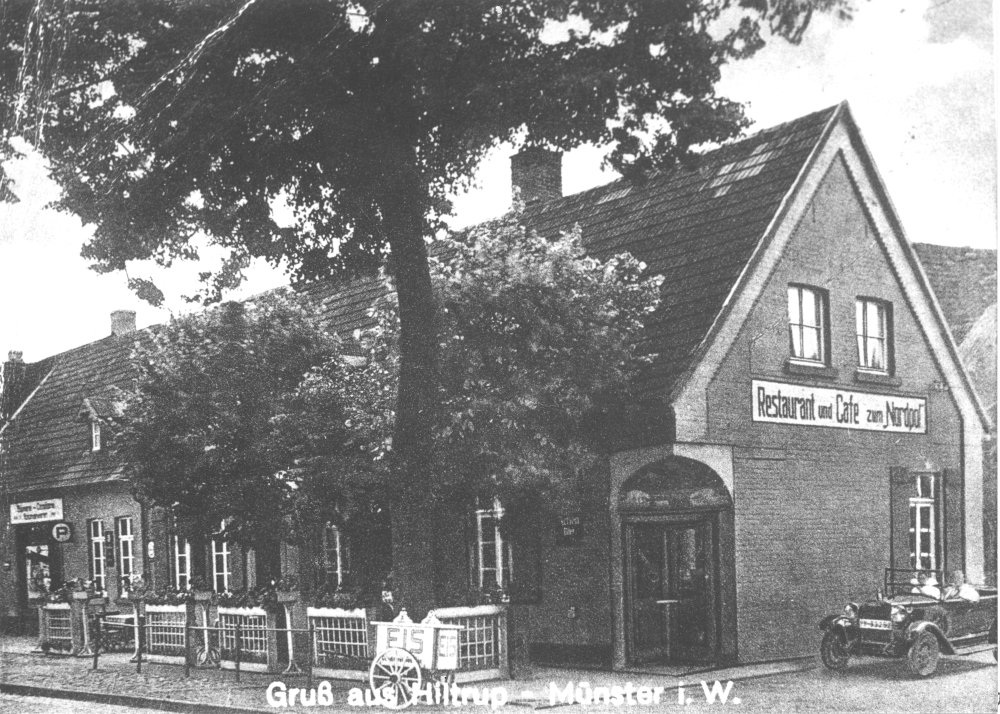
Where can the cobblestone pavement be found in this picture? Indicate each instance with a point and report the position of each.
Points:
(116, 675)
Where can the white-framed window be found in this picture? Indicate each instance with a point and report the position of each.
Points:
(95, 435)
(491, 551)
(220, 565)
(95, 533)
(807, 323)
(182, 562)
(923, 524)
(126, 547)
(874, 338)
(336, 561)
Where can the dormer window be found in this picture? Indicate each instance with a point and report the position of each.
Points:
(95, 435)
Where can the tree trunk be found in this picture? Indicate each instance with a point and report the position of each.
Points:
(412, 522)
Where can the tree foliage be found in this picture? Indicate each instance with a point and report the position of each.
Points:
(221, 421)
(536, 340)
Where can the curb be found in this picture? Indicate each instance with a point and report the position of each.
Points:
(124, 700)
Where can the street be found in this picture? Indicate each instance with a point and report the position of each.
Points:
(961, 684)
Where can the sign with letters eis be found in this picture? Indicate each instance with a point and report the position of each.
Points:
(49, 509)
(798, 405)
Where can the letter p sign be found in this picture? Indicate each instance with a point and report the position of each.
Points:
(62, 532)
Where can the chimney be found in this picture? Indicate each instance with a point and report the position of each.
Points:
(122, 322)
(537, 172)
(13, 376)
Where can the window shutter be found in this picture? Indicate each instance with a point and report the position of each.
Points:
(900, 490)
(952, 520)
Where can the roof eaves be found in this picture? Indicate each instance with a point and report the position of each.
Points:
(911, 257)
(41, 382)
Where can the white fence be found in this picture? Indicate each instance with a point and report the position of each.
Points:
(482, 642)
(165, 629)
(253, 634)
(57, 624)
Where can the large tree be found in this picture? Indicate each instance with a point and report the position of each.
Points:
(169, 119)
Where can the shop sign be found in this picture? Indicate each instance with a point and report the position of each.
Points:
(62, 532)
(50, 509)
(795, 404)
(570, 530)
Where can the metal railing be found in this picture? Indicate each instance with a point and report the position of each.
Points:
(480, 641)
(339, 634)
(235, 635)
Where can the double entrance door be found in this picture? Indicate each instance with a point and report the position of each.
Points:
(671, 576)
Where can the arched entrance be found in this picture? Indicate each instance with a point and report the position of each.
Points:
(676, 520)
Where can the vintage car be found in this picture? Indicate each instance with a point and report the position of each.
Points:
(907, 623)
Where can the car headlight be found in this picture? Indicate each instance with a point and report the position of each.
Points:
(899, 614)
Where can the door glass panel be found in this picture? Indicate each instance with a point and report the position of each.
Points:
(647, 587)
(691, 579)
(36, 561)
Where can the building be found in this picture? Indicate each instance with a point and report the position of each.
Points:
(808, 422)
(965, 283)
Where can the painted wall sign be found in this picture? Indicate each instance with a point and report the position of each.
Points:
(62, 532)
(570, 530)
(50, 509)
(779, 403)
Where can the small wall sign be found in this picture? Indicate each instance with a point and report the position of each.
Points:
(150, 550)
(50, 509)
(62, 532)
(570, 530)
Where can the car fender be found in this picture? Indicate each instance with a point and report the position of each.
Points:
(918, 627)
(841, 624)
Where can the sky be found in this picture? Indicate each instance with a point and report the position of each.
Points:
(918, 75)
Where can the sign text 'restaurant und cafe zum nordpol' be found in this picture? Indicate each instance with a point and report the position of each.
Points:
(778, 403)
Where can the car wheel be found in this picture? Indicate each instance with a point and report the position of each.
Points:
(834, 652)
(923, 655)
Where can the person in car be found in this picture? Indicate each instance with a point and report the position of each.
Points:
(958, 588)
(930, 587)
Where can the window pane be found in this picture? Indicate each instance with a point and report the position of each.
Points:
(859, 315)
(874, 325)
(810, 314)
(794, 317)
(876, 354)
(810, 343)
